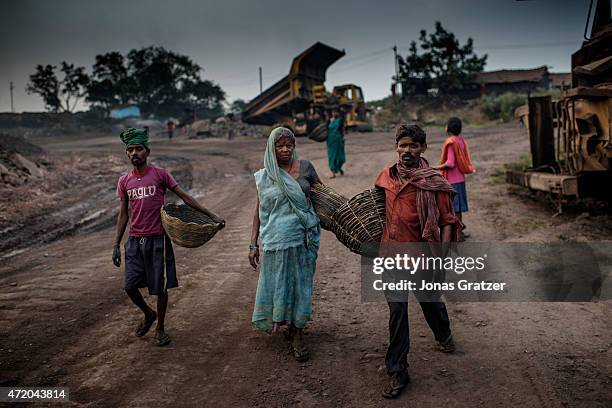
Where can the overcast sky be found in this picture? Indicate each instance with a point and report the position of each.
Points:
(230, 39)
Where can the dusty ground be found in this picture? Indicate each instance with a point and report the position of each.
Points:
(65, 320)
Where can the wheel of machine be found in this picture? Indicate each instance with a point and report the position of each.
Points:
(319, 134)
(364, 127)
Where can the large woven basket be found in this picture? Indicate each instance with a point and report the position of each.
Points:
(187, 227)
(360, 220)
(326, 202)
(319, 133)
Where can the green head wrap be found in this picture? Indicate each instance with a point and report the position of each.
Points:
(133, 136)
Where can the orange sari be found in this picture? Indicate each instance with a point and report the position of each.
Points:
(462, 156)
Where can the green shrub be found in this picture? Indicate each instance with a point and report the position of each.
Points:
(490, 107)
(502, 106)
(524, 162)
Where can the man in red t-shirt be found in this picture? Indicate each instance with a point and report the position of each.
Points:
(418, 208)
(149, 258)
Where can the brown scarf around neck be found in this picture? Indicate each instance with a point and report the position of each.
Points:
(428, 182)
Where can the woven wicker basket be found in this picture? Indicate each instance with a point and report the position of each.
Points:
(319, 133)
(187, 227)
(326, 202)
(360, 220)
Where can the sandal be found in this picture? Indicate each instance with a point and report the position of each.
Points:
(145, 325)
(302, 354)
(163, 339)
(394, 388)
(447, 346)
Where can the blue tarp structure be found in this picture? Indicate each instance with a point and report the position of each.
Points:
(125, 112)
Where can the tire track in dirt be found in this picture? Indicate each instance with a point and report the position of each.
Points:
(71, 263)
(196, 320)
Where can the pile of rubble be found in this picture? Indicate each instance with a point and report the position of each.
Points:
(20, 161)
(223, 127)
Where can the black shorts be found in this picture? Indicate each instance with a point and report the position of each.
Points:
(149, 262)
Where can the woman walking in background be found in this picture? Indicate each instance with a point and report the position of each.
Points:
(455, 164)
(285, 222)
(335, 143)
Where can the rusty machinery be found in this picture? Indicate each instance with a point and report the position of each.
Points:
(571, 138)
(300, 100)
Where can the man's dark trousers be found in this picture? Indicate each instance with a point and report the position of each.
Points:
(436, 315)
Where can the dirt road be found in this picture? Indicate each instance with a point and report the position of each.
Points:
(65, 320)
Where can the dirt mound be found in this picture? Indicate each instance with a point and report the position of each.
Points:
(20, 161)
(14, 144)
(223, 127)
(75, 194)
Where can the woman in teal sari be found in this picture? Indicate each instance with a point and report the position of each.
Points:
(285, 223)
(335, 143)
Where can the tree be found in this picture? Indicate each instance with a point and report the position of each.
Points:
(443, 63)
(161, 82)
(74, 85)
(205, 98)
(110, 84)
(237, 106)
(59, 95)
(44, 82)
(166, 83)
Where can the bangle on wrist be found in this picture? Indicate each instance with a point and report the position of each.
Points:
(253, 246)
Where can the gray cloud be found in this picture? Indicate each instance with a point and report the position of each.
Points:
(231, 39)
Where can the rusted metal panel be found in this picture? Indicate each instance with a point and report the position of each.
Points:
(587, 92)
(552, 183)
(571, 140)
(515, 177)
(541, 131)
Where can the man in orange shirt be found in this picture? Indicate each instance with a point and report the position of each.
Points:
(418, 204)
